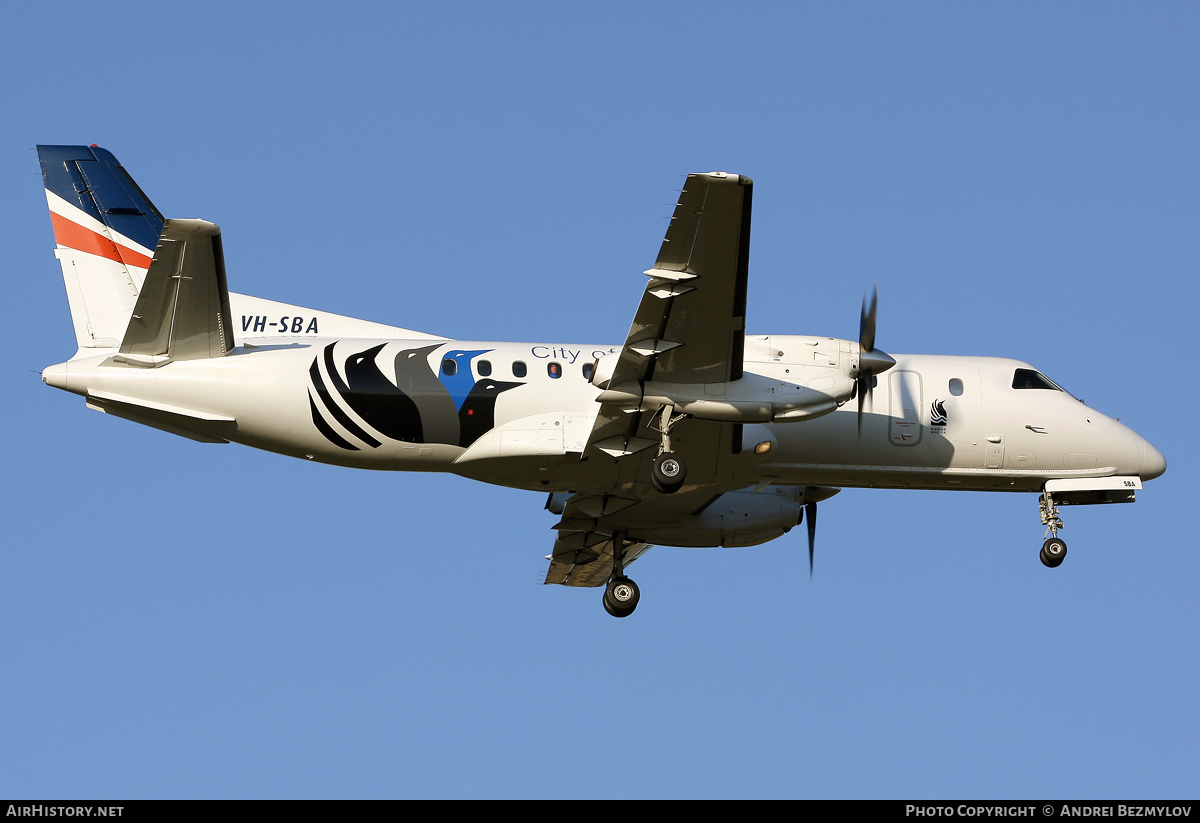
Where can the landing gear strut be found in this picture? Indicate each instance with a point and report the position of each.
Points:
(1054, 550)
(621, 595)
(669, 471)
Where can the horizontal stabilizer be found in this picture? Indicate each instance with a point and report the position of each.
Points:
(182, 312)
(201, 426)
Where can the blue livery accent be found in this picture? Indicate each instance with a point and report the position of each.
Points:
(462, 381)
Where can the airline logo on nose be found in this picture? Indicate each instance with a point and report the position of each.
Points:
(937, 413)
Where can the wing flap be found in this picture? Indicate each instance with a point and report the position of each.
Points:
(583, 551)
(586, 559)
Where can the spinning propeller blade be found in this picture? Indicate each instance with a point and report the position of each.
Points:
(810, 514)
(866, 321)
(871, 360)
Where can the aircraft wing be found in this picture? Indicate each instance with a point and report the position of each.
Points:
(690, 325)
(586, 558)
(583, 552)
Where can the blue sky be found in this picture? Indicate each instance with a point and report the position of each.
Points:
(187, 620)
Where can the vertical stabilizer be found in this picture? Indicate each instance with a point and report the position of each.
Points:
(105, 230)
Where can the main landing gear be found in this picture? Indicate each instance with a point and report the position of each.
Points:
(669, 471)
(621, 595)
(1054, 550)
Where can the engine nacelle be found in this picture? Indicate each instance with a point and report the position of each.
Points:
(603, 368)
(735, 519)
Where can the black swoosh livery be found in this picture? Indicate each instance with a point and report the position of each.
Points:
(416, 408)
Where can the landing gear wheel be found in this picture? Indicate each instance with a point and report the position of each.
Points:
(668, 472)
(609, 608)
(621, 597)
(1054, 551)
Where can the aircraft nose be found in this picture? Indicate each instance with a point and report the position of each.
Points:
(1153, 463)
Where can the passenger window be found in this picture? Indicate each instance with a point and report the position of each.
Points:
(1029, 379)
(956, 387)
(518, 369)
(449, 367)
(588, 369)
(554, 370)
(485, 368)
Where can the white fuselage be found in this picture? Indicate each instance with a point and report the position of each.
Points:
(933, 422)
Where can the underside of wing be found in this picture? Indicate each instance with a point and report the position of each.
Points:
(689, 327)
(591, 523)
(586, 559)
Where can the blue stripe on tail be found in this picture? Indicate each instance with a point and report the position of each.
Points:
(92, 179)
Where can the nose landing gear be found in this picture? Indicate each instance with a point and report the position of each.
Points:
(1054, 550)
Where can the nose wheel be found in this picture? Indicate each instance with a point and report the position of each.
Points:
(1054, 550)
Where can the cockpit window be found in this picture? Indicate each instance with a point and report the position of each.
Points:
(1029, 379)
(449, 367)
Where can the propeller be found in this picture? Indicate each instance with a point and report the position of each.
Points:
(810, 514)
(871, 361)
(813, 495)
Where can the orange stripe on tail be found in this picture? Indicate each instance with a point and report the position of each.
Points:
(74, 236)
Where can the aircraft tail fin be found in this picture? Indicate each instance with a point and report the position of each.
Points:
(182, 310)
(105, 231)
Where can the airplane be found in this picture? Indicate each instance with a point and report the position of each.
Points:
(691, 433)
